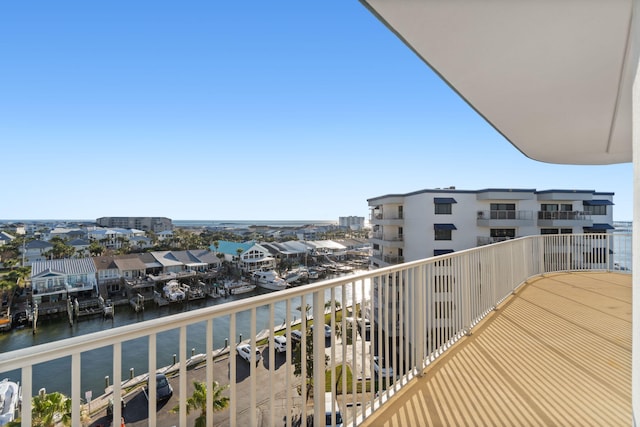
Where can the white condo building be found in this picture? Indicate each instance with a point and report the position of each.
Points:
(426, 223)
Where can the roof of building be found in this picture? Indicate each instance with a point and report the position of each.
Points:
(67, 265)
(129, 262)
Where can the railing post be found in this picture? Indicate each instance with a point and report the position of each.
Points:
(418, 318)
(318, 357)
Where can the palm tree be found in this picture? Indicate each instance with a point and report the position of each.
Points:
(51, 409)
(198, 400)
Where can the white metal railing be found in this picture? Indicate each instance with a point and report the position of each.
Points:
(406, 315)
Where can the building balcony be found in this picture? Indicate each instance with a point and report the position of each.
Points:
(557, 352)
(564, 219)
(487, 240)
(537, 333)
(505, 218)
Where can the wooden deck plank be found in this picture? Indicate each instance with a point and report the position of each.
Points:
(556, 353)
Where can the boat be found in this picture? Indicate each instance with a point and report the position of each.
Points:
(173, 291)
(269, 279)
(10, 398)
(296, 275)
(241, 289)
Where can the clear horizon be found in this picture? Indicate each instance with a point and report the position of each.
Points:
(236, 110)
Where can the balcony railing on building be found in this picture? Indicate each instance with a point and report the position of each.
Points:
(385, 327)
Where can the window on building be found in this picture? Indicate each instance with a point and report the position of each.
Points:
(443, 231)
(443, 205)
(549, 231)
(503, 210)
(437, 252)
(400, 212)
(503, 233)
(443, 209)
(442, 234)
(566, 230)
(595, 210)
(566, 207)
(549, 207)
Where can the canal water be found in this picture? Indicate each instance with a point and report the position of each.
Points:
(97, 364)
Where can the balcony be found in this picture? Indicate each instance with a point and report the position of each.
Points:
(564, 219)
(537, 332)
(558, 352)
(505, 218)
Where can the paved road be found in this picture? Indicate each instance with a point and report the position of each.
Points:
(136, 412)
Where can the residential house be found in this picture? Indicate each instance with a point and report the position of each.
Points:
(35, 250)
(81, 246)
(58, 280)
(248, 256)
(5, 238)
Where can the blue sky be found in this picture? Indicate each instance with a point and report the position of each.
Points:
(237, 111)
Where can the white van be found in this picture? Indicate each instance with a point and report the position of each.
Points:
(328, 401)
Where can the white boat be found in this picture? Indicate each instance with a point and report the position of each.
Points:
(269, 279)
(241, 289)
(296, 275)
(9, 400)
(173, 291)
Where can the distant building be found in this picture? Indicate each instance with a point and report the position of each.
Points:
(144, 223)
(426, 223)
(351, 222)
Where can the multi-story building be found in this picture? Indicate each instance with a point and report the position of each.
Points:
(351, 222)
(425, 223)
(145, 223)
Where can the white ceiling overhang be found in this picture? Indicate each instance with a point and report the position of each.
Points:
(554, 77)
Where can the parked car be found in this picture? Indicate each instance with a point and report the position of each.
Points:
(244, 351)
(280, 343)
(163, 389)
(380, 365)
(296, 335)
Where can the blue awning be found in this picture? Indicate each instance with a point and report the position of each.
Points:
(597, 202)
(601, 227)
(444, 227)
(437, 252)
(444, 200)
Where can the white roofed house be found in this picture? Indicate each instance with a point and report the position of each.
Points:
(56, 282)
(5, 238)
(114, 238)
(35, 250)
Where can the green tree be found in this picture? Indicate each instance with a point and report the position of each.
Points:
(198, 401)
(51, 409)
(95, 249)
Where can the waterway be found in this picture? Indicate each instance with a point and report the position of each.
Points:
(97, 364)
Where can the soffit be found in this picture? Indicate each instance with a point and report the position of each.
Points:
(553, 77)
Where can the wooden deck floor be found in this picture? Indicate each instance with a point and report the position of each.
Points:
(556, 354)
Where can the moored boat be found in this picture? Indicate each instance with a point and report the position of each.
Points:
(269, 279)
(241, 289)
(10, 397)
(173, 291)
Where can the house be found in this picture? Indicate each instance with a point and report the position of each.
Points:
(248, 256)
(35, 250)
(113, 238)
(81, 246)
(57, 280)
(5, 238)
